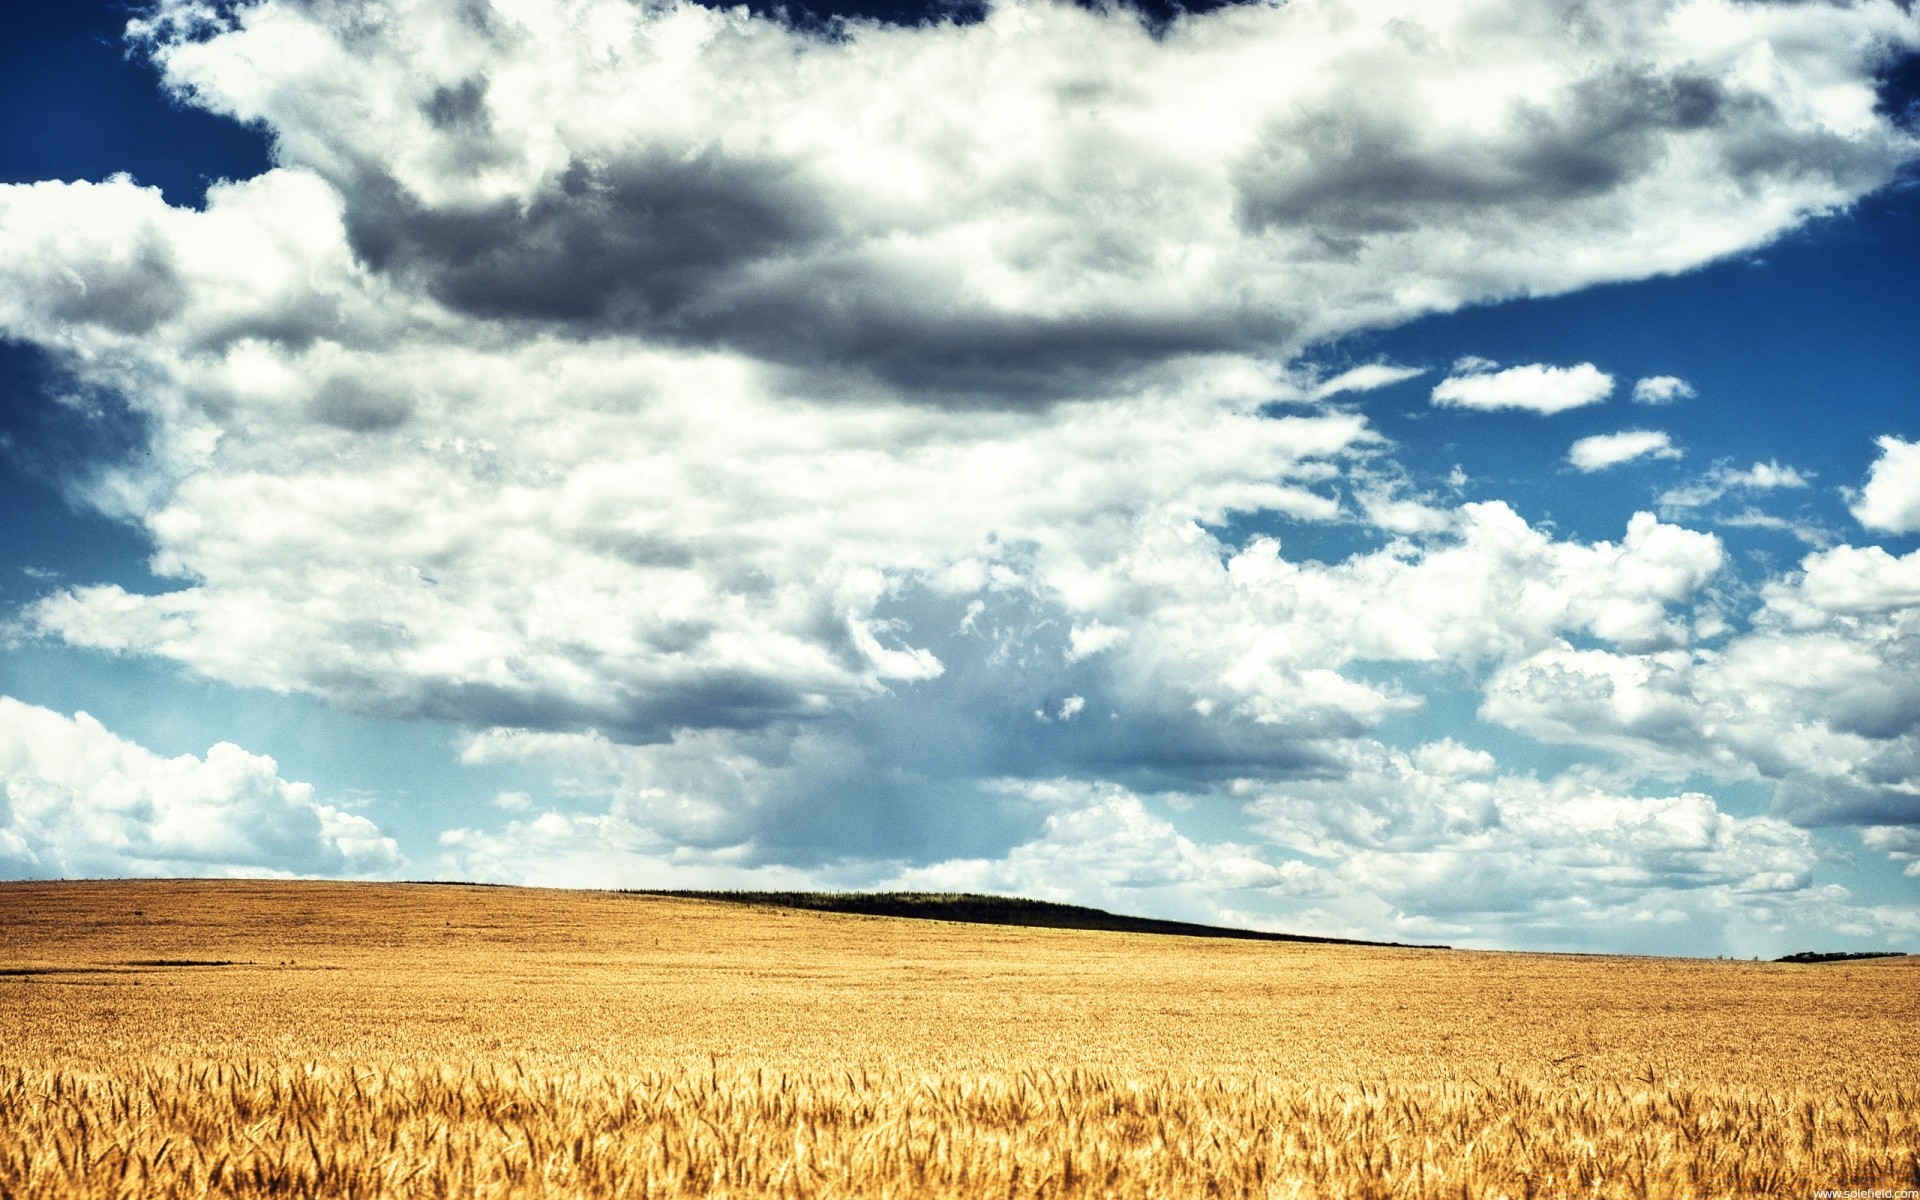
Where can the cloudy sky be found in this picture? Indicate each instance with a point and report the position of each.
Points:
(1441, 470)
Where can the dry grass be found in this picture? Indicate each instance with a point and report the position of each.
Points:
(384, 1041)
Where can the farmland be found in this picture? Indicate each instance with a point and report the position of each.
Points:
(263, 1038)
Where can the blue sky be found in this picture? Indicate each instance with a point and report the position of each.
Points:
(1434, 471)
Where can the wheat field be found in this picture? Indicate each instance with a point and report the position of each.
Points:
(174, 1039)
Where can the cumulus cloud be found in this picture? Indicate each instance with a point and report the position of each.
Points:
(1661, 389)
(1233, 669)
(645, 565)
(1900, 843)
(1438, 831)
(1490, 588)
(758, 426)
(1049, 196)
(1818, 698)
(1604, 450)
(75, 800)
(638, 421)
(1890, 501)
(1476, 384)
(1849, 581)
(1100, 844)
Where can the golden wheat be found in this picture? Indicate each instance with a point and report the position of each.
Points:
(370, 1041)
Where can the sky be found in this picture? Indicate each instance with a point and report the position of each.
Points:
(1441, 471)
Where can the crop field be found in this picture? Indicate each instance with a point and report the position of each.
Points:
(175, 1039)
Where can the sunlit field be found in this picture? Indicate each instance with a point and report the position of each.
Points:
(308, 1039)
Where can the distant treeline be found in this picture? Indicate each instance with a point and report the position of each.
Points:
(997, 910)
(1810, 956)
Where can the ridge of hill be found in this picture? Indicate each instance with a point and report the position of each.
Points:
(1815, 956)
(976, 909)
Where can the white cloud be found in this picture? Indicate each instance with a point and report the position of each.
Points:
(513, 801)
(1605, 450)
(1890, 501)
(1850, 581)
(1231, 669)
(1050, 175)
(1725, 479)
(645, 419)
(1901, 843)
(1428, 846)
(1100, 845)
(1661, 389)
(1488, 589)
(1820, 698)
(1085, 641)
(1461, 826)
(1535, 388)
(77, 801)
(602, 850)
(722, 564)
(1811, 533)
(1437, 841)
(1365, 378)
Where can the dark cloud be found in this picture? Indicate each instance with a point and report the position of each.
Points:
(996, 712)
(800, 194)
(128, 295)
(1878, 709)
(356, 405)
(639, 244)
(644, 713)
(1878, 792)
(968, 355)
(1358, 164)
(462, 107)
(716, 251)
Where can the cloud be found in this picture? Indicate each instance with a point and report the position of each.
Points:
(727, 564)
(1365, 378)
(1611, 449)
(1096, 844)
(1488, 588)
(1850, 581)
(1818, 698)
(1231, 671)
(1102, 845)
(1075, 228)
(1724, 479)
(1661, 389)
(1439, 831)
(1536, 388)
(1890, 501)
(77, 801)
(643, 422)
(1900, 843)
(576, 850)
(1811, 533)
